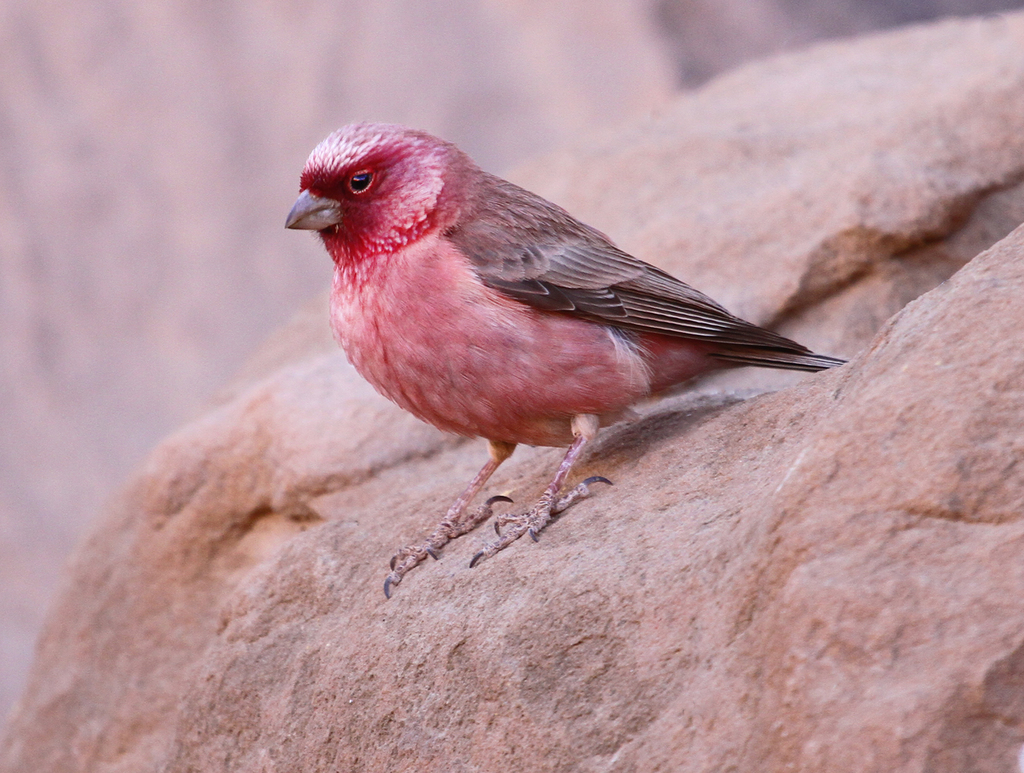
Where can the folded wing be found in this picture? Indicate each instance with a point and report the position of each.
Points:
(536, 253)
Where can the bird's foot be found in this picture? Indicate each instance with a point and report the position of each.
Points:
(450, 528)
(579, 492)
(512, 526)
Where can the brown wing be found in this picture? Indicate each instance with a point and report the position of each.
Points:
(532, 251)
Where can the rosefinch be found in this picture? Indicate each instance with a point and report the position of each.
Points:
(490, 312)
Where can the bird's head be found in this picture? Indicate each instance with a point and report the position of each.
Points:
(370, 189)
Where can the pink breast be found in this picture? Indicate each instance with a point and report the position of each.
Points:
(422, 329)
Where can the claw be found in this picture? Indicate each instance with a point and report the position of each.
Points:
(476, 559)
(457, 521)
(533, 535)
(597, 479)
(497, 529)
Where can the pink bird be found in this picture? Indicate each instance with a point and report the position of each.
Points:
(490, 312)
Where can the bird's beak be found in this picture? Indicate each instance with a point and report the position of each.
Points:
(313, 213)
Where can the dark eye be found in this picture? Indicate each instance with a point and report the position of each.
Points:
(360, 181)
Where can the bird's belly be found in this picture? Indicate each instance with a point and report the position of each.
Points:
(472, 362)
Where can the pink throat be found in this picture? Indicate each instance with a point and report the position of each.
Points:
(354, 255)
(357, 266)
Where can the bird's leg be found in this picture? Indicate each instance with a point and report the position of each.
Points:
(456, 522)
(584, 428)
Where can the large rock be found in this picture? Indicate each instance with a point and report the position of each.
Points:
(708, 36)
(149, 155)
(821, 578)
(149, 151)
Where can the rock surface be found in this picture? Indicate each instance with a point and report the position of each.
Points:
(150, 153)
(825, 577)
(706, 37)
(150, 150)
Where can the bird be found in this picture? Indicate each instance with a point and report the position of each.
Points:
(490, 312)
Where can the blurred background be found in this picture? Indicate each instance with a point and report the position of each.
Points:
(149, 153)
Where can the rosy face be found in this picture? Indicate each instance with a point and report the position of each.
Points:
(370, 189)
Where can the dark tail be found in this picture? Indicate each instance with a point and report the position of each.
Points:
(784, 360)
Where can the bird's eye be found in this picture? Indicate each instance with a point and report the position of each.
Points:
(360, 181)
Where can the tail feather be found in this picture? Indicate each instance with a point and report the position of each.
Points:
(767, 358)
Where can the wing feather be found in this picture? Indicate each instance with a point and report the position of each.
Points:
(534, 252)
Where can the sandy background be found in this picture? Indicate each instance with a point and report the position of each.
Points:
(149, 153)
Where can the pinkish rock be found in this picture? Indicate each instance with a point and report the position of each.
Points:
(826, 577)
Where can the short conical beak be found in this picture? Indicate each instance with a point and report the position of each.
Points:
(313, 213)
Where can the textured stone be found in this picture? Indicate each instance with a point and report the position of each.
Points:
(824, 577)
(150, 153)
(706, 37)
